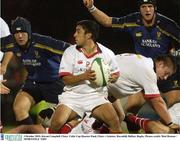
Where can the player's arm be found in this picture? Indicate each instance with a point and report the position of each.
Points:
(160, 107)
(152, 94)
(3, 89)
(74, 79)
(100, 16)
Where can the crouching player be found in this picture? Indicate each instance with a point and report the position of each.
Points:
(140, 80)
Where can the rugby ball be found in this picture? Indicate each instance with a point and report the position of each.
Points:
(102, 72)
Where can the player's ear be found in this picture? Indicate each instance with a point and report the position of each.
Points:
(89, 35)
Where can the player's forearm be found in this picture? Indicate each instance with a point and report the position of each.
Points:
(102, 18)
(6, 59)
(160, 107)
(73, 79)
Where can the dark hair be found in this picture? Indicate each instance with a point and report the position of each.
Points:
(153, 2)
(21, 24)
(90, 27)
(168, 60)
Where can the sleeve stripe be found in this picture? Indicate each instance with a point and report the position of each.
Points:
(11, 45)
(125, 25)
(168, 34)
(48, 48)
(64, 74)
(150, 96)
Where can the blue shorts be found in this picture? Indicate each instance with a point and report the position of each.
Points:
(47, 91)
(147, 111)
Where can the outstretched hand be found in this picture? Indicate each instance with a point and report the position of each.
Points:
(175, 127)
(4, 89)
(88, 3)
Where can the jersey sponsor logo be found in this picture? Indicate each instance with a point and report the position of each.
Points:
(31, 62)
(150, 43)
(80, 62)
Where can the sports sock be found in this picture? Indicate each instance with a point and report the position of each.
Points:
(104, 129)
(142, 122)
(97, 125)
(64, 130)
(26, 121)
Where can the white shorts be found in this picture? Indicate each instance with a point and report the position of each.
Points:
(122, 89)
(81, 103)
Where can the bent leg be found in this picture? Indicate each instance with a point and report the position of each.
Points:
(134, 103)
(107, 114)
(22, 105)
(62, 115)
(172, 97)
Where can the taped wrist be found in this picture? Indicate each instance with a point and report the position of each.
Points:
(92, 9)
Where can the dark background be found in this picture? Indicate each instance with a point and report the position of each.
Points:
(57, 18)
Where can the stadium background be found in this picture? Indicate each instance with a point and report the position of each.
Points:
(57, 18)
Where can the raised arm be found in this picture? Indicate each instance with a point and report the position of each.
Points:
(100, 16)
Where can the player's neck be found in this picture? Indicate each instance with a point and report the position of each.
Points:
(90, 48)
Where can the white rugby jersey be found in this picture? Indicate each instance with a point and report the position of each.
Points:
(4, 31)
(75, 62)
(136, 74)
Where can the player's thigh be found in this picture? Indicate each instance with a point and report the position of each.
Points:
(23, 101)
(106, 113)
(172, 97)
(61, 115)
(134, 102)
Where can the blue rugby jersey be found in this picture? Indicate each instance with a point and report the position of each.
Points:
(42, 57)
(149, 42)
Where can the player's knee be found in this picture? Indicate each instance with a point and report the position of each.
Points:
(20, 109)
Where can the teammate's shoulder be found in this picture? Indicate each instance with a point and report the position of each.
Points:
(162, 19)
(40, 37)
(134, 17)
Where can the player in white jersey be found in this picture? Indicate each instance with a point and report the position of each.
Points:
(80, 96)
(4, 31)
(139, 77)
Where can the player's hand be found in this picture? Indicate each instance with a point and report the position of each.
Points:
(4, 89)
(175, 127)
(2, 69)
(90, 75)
(88, 3)
(113, 77)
